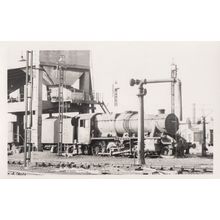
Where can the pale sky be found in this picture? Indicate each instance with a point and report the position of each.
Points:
(198, 64)
(198, 69)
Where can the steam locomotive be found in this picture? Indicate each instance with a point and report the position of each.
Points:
(110, 134)
(116, 133)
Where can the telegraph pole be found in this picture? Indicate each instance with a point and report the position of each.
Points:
(26, 109)
(28, 106)
(142, 92)
(60, 70)
(173, 76)
(115, 89)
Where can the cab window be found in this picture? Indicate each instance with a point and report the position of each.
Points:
(82, 123)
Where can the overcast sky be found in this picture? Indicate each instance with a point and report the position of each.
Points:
(198, 69)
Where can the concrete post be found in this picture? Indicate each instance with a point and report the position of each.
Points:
(38, 102)
(26, 109)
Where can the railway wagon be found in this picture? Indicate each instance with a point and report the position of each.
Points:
(50, 132)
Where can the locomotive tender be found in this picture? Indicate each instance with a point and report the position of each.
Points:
(116, 133)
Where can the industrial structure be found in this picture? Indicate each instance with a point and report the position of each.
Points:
(199, 133)
(65, 78)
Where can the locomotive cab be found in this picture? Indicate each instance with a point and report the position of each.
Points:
(84, 124)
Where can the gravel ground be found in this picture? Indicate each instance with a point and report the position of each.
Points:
(105, 165)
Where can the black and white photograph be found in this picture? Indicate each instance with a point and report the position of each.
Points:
(109, 109)
(112, 109)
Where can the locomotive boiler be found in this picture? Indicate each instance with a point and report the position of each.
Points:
(127, 123)
(115, 133)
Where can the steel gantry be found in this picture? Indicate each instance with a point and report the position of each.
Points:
(28, 98)
(60, 75)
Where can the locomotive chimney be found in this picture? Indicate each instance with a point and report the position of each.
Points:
(161, 111)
